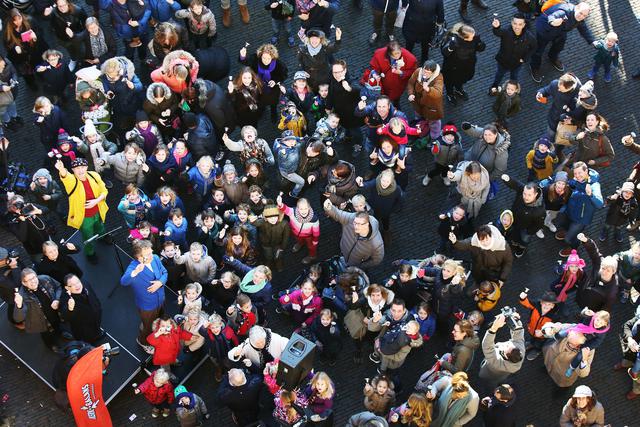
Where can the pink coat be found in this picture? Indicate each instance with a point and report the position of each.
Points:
(302, 230)
(400, 140)
(165, 75)
(301, 312)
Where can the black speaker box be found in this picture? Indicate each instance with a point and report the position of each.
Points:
(296, 361)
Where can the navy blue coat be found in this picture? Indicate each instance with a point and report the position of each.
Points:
(421, 18)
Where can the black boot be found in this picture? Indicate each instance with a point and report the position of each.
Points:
(480, 4)
(464, 14)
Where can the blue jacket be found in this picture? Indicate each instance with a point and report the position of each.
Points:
(287, 157)
(160, 212)
(373, 120)
(49, 127)
(178, 235)
(427, 326)
(202, 186)
(559, 101)
(144, 300)
(162, 11)
(580, 207)
(203, 140)
(566, 12)
(140, 210)
(122, 13)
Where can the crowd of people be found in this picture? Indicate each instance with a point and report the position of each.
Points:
(211, 205)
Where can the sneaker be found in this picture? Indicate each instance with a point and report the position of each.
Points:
(155, 412)
(617, 234)
(452, 100)
(291, 41)
(461, 94)
(372, 39)
(296, 248)
(274, 40)
(591, 74)
(607, 77)
(603, 235)
(166, 412)
(426, 180)
(535, 75)
(518, 251)
(540, 234)
(564, 253)
(560, 235)
(557, 64)
(633, 376)
(533, 354)
(374, 357)
(551, 226)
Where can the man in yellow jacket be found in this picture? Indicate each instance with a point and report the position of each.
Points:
(87, 206)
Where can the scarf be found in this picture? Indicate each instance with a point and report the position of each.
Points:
(473, 189)
(150, 139)
(303, 219)
(313, 51)
(590, 328)
(539, 160)
(376, 307)
(247, 286)
(265, 73)
(179, 157)
(98, 44)
(450, 412)
(569, 284)
(387, 160)
(384, 192)
(250, 94)
(253, 150)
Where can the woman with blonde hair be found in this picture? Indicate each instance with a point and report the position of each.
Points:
(416, 411)
(474, 185)
(246, 92)
(23, 51)
(271, 70)
(456, 402)
(320, 393)
(256, 284)
(449, 281)
(459, 64)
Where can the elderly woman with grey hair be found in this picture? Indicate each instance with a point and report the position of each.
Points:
(262, 346)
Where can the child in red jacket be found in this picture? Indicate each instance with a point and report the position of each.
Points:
(165, 339)
(542, 312)
(399, 130)
(303, 304)
(158, 391)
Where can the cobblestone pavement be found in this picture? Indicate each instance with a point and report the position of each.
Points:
(540, 403)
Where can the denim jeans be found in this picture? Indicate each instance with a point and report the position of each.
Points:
(606, 65)
(11, 112)
(296, 179)
(557, 44)
(279, 25)
(501, 71)
(636, 365)
(572, 230)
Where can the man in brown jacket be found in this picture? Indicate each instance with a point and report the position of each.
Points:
(426, 88)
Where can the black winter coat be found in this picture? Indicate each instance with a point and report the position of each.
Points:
(50, 125)
(594, 292)
(74, 20)
(527, 217)
(514, 48)
(86, 317)
(215, 102)
(110, 41)
(447, 295)
(62, 266)
(383, 206)
(55, 80)
(621, 212)
(242, 400)
(270, 96)
(421, 18)
(460, 58)
(501, 414)
(344, 103)
(214, 63)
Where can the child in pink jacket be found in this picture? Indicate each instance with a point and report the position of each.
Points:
(399, 130)
(303, 304)
(305, 226)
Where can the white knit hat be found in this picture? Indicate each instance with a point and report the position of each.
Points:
(89, 128)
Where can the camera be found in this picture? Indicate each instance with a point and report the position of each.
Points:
(114, 351)
(510, 315)
(28, 209)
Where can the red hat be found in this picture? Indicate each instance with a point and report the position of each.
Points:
(449, 129)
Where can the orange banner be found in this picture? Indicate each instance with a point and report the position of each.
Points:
(84, 388)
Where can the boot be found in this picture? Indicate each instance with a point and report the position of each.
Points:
(244, 13)
(226, 17)
(464, 14)
(480, 4)
(278, 264)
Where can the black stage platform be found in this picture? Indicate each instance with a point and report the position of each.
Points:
(119, 320)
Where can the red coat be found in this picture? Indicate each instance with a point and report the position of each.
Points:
(156, 395)
(393, 85)
(168, 346)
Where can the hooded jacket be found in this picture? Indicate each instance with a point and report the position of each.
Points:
(124, 170)
(167, 346)
(215, 103)
(205, 23)
(203, 140)
(167, 109)
(566, 12)
(488, 264)
(527, 216)
(203, 271)
(341, 190)
(447, 153)
(51, 189)
(462, 354)
(494, 157)
(427, 105)
(581, 207)
(139, 209)
(595, 145)
(363, 252)
(376, 403)
(165, 72)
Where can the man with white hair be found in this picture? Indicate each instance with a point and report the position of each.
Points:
(552, 26)
(261, 347)
(241, 394)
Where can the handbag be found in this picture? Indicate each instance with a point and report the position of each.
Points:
(562, 131)
(354, 322)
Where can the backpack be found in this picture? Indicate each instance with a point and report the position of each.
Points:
(548, 4)
(17, 179)
(431, 376)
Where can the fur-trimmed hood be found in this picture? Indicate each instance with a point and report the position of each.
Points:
(125, 64)
(203, 91)
(434, 75)
(151, 88)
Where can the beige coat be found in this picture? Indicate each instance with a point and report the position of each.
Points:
(593, 418)
(557, 358)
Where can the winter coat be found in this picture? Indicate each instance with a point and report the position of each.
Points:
(288, 157)
(49, 127)
(514, 50)
(566, 12)
(259, 150)
(63, 265)
(203, 140)
(502, 109)
(421, 18)
(31, 313)
(580, 208)
(31, 51)
(366, 307)
(205, 23)
(557, 358)
(278, 13)
(393, 84)
(494, 367)
(344, 103)
(501, 414)
(447, 296)
(214, 102)
(383, 205)
(110, 41)
(162, 11)
(548, 189)
(373, 121)
(470, 411)
(242, 400)
(121, 14)
(165, 72)
(160, 213)
(124, 170)
(592, 418)
(318, 65)
(275, 236)
(72, 20)
(494, 157)
(55, 79)
(78, 198)
(593, 146)
(306, 313)
(366, 419)
(101, 148)
(628, 332)
(376, 403)
(488, 264)
(462, 354)
(340, 190)
(144, 300)
(550, 162)
(166, 110)
(167, 346)
(317, 165)
(270, 96)
(621, 212)
(156, 395)
(528, 217)
(363, 252)
(51, 189)
(594, 292)
(605, 56)
(427, 105)
(447, 154)
(276, 346)
(474, 193)
(561, 101)
(201, 186)
(86, 316)
(536, 319)
(126, 101)
(192, 416)
(139, 210)
(460, 58)
(202, 272)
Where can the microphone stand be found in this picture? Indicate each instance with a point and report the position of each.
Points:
(116, 248)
